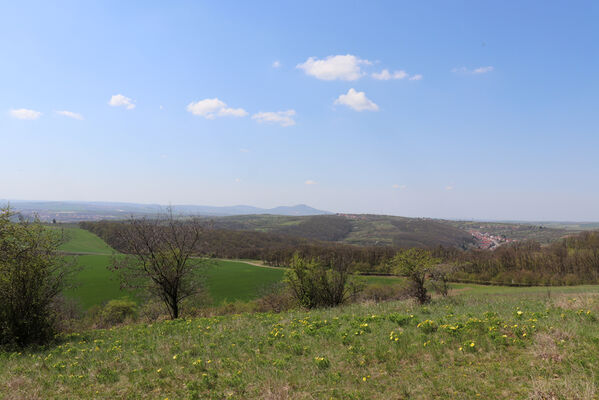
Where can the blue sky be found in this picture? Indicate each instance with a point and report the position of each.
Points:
(435, 109)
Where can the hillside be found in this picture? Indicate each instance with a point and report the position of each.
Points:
(358, 229)
(516, 344)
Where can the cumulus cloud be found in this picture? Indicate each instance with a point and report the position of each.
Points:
(276, 64)
(310, 182)
(385, 75)
(212, 108)
(118, 100)
(357, 101)
(23, 113)
(283, 118)
(343, 67)
(475, 71)
(70, 114)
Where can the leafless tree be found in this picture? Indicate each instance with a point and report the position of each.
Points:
(160, 258)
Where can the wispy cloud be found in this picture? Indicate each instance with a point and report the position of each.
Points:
(70, 114)
(118, 100)
(283, 118)
(340, 67)
(450, 187)
(276, 64)
(385, 75)
(24, 113)
(401, 187)
(310, 182)
(475, 71)
(212, 108)
(416, 77)
(357, 101)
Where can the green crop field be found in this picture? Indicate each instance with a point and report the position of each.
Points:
(82, 241)
(95, 284)
(225, 280)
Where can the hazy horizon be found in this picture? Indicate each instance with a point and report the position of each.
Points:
(459, 111)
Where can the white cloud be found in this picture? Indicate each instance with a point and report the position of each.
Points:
(475, 71)
(396, 186)
(416, 77)
(237, 180)
(23, 113)
(118, 100)
(276, 64)
(483, 70)
(385, 75)
(283, 118)
(244, 150)
(212, 108)
(449, 187)
(310, 182)
(70, 114)
(347, 67)
(357, 101)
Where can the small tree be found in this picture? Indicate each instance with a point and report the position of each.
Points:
(32, 276)
(160, 261)
(318, 284)
(415, 264)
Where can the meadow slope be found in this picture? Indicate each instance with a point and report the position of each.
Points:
(524, 345)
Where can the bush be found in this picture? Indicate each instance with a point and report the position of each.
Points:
(380, 292)
(276, 298)
(32, 275)
(118, 311)
(318, 284)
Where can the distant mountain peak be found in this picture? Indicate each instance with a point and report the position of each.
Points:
(72, 211)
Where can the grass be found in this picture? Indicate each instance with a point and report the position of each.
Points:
(226, 281)
(464, 347)
(94, 283)
(82, 241)
(235, 280)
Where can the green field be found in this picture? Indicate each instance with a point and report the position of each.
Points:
(95, 284)
(225, 280)
(82, 241)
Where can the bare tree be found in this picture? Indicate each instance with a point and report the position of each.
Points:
(161, 259)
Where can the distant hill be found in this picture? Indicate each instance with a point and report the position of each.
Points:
(359, 229)
(67, 211)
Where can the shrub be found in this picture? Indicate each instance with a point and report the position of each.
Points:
(276, 298)
(118, 311)
(319, 284)
(380, 292)
(32, 275)
(415, 264)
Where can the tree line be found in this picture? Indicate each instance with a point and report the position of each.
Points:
(568, 261)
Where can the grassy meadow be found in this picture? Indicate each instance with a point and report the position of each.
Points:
(468, 346)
